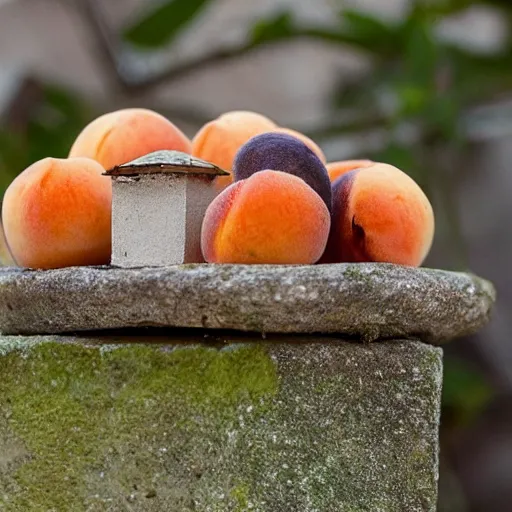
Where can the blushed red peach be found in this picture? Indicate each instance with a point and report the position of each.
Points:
(337, 169)
(270, 218)
(57, 213)
(219, 140)
(379, 214)
(121, 136)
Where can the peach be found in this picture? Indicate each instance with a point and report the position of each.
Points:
(310, 143)
(57, 213)
(119, 137)
(287, 154)
(219, 140)
(270, 218)
(379, 214)
(337, 169)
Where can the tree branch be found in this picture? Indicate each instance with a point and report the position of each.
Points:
(138, 84)
(110, 50)
(117, 56)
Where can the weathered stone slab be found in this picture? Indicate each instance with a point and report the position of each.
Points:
(264, 426)
(367, 300)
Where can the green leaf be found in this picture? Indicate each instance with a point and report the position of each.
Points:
(480, 76)
(421, 54)
(370, 32)
(465, 391)
(432, 10)
(53, 125)
(364, 25)
(273, 29)
(164, 23)
(443, 113)
(413, 99)
(6, 259)
(13, 158)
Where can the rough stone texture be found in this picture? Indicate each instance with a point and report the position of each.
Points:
(163, 212)
(326, 426)
(367, 300)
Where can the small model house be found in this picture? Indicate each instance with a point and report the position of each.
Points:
(158, 205)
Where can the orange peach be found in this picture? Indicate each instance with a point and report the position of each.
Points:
(271, 217)
(119, 137)
(311, 144)
(379, 214)
(337, 169)
(57, 213)
(219, 140)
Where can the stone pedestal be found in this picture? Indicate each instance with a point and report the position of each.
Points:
(369, 301)
(183, 418)
(270, 426)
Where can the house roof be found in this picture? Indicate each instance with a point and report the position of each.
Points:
(166, 162)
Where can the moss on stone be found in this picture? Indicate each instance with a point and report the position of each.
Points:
(361, 273)
(188, 266)
(262, 427)
(81, 412)
(355, 273)
(240, 494)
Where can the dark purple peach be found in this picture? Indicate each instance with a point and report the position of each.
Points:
(287, 154)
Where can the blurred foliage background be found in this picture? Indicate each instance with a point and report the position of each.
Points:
(417, 106)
